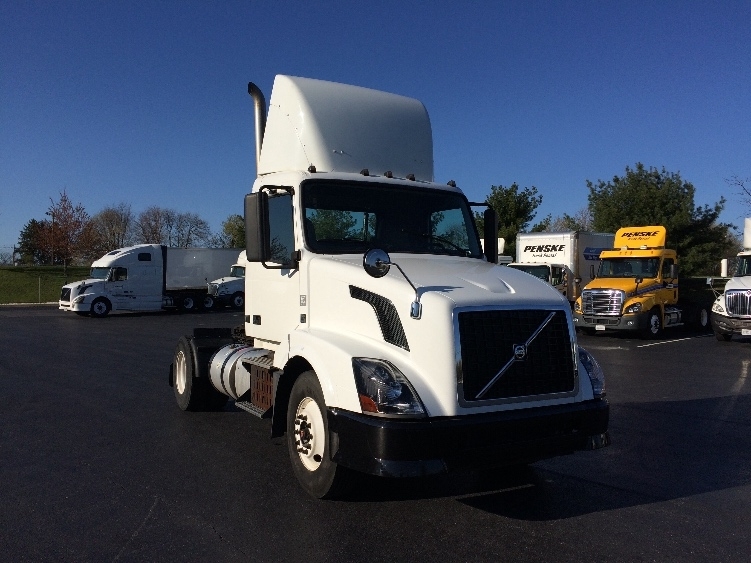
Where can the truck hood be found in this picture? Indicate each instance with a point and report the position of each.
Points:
(624, 284)
(464, 282)
(741, 283)
(88, 282)
(226, 279)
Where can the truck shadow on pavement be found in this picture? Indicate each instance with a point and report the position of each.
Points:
(661, 451)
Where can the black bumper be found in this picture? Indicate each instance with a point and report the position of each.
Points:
(729, 325)
(411, 448)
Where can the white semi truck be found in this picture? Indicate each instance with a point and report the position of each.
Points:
(147, 277)
(731, 311)
(230, 290)
(377, 335)
(565, 260)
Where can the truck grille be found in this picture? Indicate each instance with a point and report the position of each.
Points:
(490, 341)
(602, 301)
(738, 302)
(65, 294)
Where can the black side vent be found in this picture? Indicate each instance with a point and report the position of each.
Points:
(511, 353)
(388, 318)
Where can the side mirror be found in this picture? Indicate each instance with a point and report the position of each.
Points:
(269, 229)
(376, 262)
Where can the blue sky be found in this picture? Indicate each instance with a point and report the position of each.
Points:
(146, 102)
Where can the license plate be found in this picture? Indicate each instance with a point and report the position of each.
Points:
(599, 327)
(746, 331)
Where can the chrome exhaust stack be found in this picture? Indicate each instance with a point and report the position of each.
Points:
(259, 103)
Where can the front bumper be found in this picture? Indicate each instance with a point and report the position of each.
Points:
(730, 325)
(410, 448)
(636, 322)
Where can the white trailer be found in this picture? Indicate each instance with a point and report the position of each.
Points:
(378, 336)
(147, 277)
(731, 311)
(230, 290)
(565, 260)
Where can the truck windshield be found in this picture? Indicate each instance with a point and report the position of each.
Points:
(345, 217)
(99, 273)
(541, 271)
(237, 271)
(629, 267)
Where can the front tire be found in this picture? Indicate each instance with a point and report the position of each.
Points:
(308, 441)
(100, 308)
(208, 302)
(654, 324)
(238, 300)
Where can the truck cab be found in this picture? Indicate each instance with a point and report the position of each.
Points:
(230, 290)
(731, 311)
(377, 335)
(636, 286)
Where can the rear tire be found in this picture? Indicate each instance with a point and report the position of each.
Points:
(187, 303)
(308, 441)
(702, 319)
(208, 302)
(192, 393)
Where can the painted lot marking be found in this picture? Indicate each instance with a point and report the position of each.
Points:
(672, 341)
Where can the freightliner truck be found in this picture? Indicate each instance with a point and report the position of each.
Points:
(377, 335)
(230, 290)
(147, 277)
(731, 312)
(636, 288)
(561, 259)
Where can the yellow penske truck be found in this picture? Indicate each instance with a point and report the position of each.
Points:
(636, 288)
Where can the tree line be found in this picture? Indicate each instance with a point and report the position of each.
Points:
(641, 196)
(69, 236)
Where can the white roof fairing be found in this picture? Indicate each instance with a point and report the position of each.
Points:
(341, 128)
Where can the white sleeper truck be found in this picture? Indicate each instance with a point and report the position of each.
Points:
(230, 290)
(565, 260)
(147, 277)
(731, 311)
(377, 335)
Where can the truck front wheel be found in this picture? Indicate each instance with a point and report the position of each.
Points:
(238, 300)
(654, 324)
(308, 440)
(100, 308)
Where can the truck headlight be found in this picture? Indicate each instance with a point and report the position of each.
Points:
(79, 299)
(635, 308)
(577, 306)
(596, 375)
(383, 389)
(717, 307)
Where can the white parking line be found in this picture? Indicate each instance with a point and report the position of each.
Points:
(671, 341)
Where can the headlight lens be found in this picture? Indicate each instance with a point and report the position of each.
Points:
(635, 308)
(577, 306)
(383, 389)
(596, 375)
(717, 306)
(79, 299)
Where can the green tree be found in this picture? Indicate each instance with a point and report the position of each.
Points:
(657, 197)
(232, 235)
(31, 244)
(332, 224)
(516, 210)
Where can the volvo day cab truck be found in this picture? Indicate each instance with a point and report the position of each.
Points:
(731, 311)
(561, 259)
(636, 288)
(147, 277)
(230, 290)
(377, 335)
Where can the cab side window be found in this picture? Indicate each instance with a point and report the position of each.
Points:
(666, 268)
(119, 274)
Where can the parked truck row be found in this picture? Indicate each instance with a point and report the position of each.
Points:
(377, 335)
(148, 277)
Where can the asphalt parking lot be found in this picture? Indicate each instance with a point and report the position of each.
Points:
(98, 463)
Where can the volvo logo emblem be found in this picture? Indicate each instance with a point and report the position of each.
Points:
(748, 293)
(520, 352)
